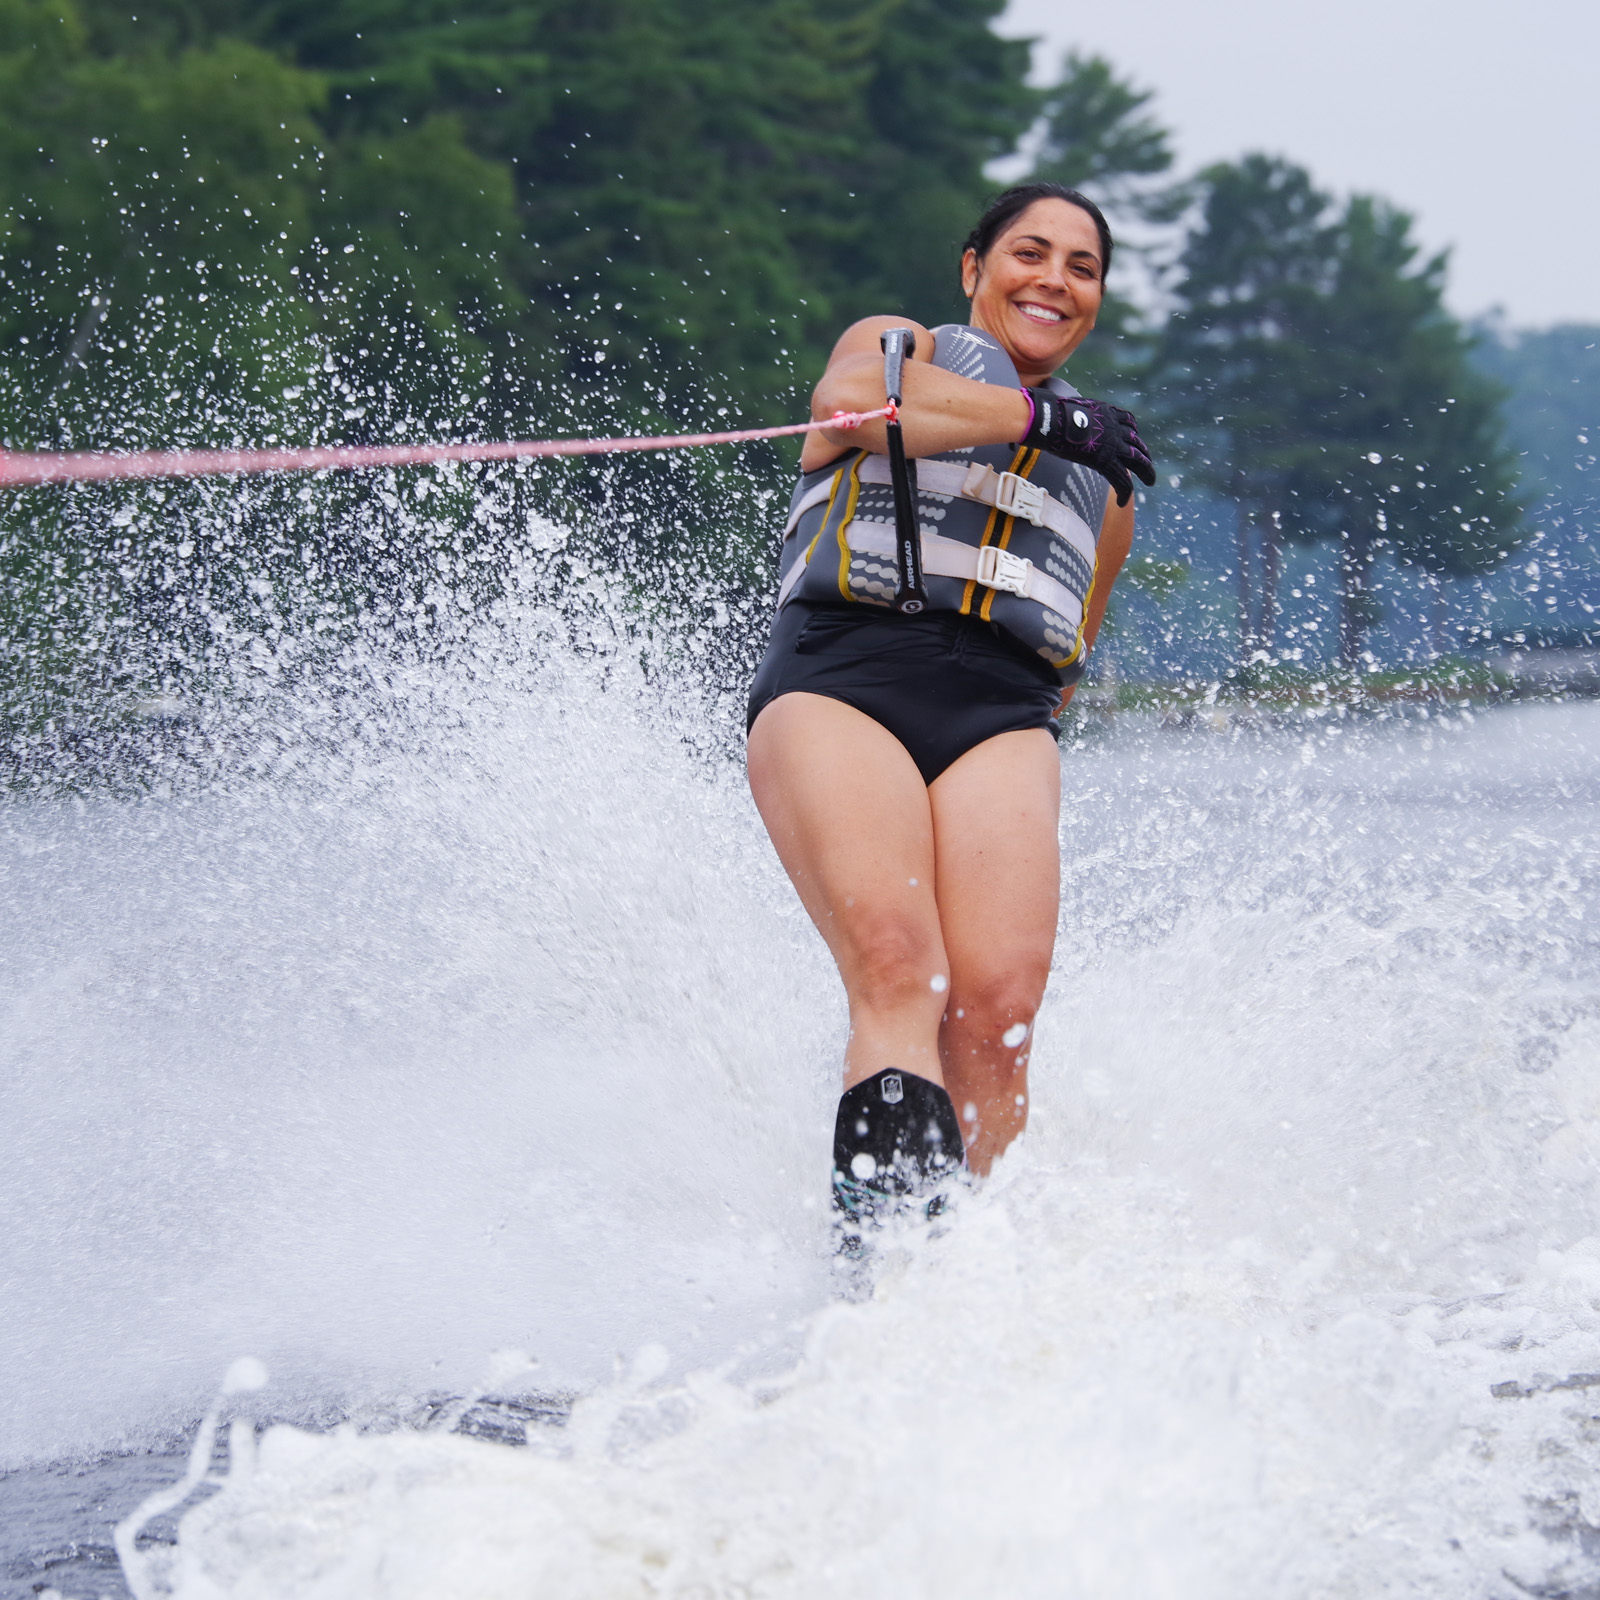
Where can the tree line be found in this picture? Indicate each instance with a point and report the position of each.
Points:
(575, 213)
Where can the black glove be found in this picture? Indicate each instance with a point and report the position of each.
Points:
(1094, 434)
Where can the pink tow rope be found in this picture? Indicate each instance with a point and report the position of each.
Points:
(18, 468)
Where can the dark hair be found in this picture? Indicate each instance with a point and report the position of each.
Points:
(1005, 208)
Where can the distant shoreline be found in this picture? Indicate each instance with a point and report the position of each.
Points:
(1284, 692)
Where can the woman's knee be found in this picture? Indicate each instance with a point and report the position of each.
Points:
(998, 1007)
(892, 962)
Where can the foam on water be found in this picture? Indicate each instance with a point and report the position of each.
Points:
(351, 1078)
(503, 1031)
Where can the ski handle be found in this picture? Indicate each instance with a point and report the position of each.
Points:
(909, 595)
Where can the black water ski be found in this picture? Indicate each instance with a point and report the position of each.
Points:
(897, 1148)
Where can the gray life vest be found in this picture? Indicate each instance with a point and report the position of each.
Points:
(1009, 534)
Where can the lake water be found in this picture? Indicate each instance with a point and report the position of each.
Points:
(494, 1055)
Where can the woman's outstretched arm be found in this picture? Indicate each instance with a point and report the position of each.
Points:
(939, 412)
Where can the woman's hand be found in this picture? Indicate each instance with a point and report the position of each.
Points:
(1094, 434)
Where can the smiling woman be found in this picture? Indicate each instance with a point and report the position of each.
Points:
(904, 764)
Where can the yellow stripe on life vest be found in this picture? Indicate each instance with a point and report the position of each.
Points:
(845, 520)
(827, 511)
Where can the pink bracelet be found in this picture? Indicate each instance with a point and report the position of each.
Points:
(1033, 412)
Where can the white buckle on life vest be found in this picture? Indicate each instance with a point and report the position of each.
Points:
(1018, 498)
(999, 569)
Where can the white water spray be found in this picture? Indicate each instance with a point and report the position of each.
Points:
(467, 1011)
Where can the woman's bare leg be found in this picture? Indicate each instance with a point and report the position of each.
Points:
(996, 818)
(852, 823)
(912, 886)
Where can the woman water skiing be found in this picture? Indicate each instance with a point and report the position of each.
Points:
(903, 755)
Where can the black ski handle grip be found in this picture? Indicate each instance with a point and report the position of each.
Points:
(898, 345)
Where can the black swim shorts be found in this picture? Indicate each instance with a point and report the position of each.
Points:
(941, 683)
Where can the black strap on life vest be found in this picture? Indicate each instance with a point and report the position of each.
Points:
(909, 595)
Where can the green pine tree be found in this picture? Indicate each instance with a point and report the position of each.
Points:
(1314, 378)
(705, 188)
(178, 214)
(1098, 139)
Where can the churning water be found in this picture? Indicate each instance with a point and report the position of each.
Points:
(467, 1037)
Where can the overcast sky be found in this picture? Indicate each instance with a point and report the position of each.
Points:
(1482, 120)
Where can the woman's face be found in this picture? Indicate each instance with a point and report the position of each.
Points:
(1039, 288)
